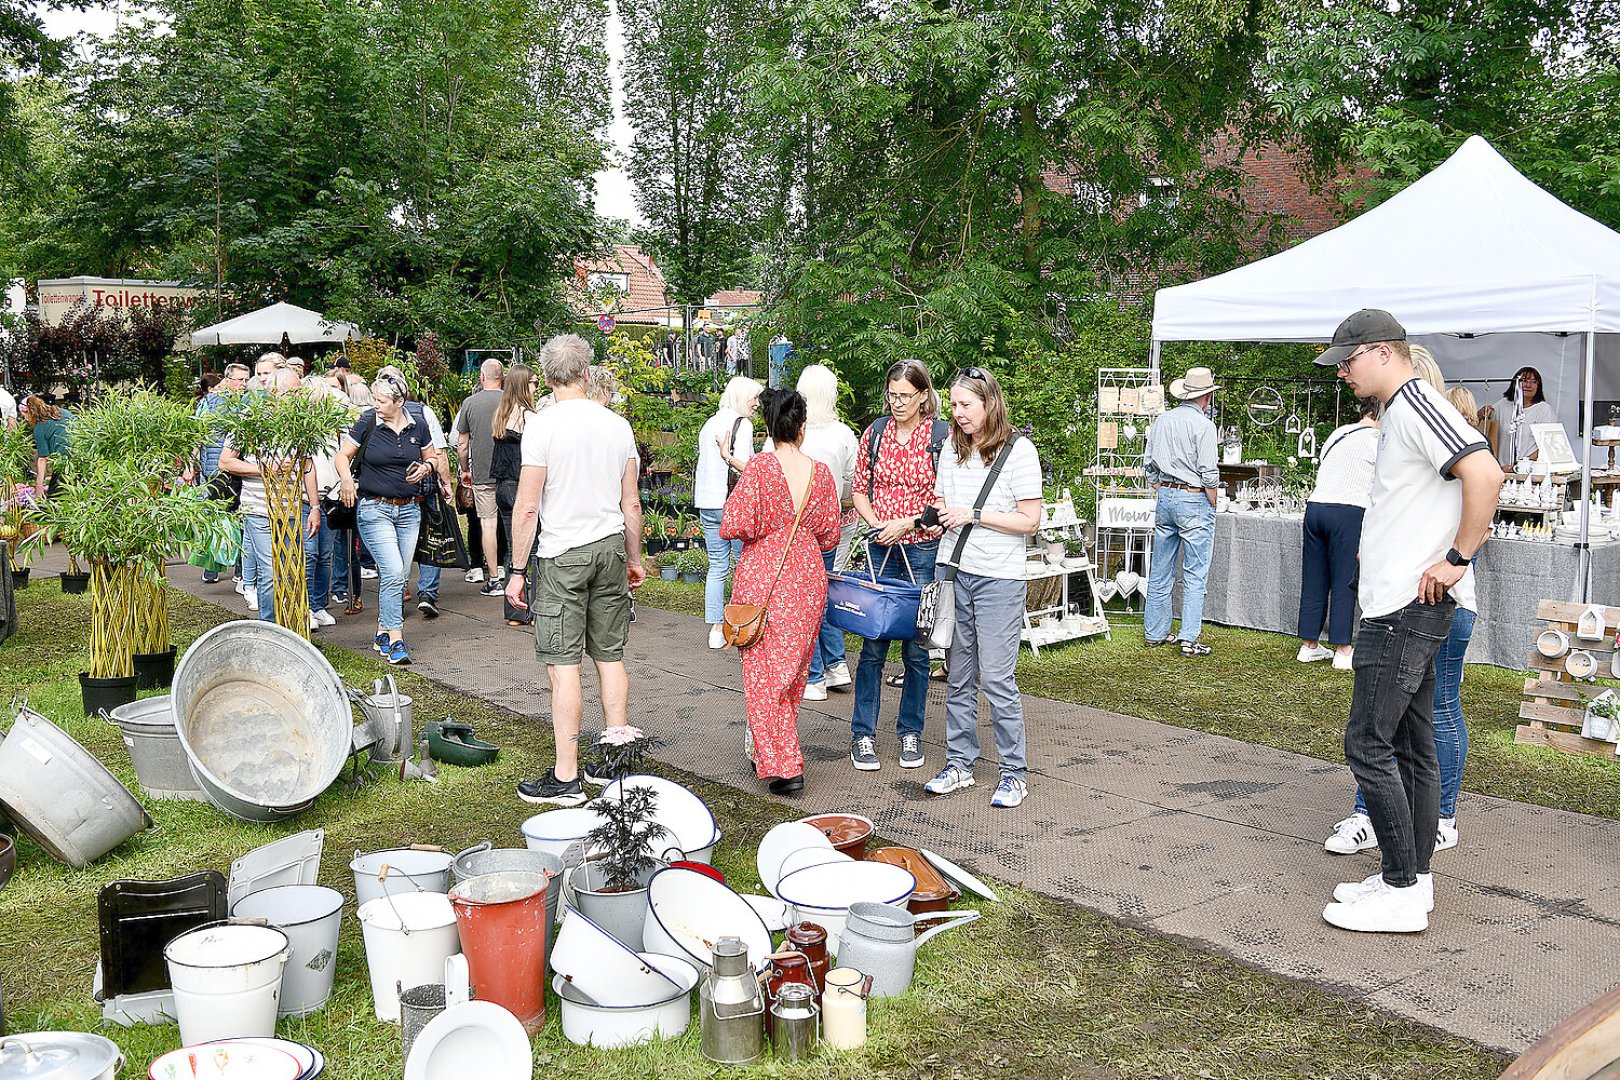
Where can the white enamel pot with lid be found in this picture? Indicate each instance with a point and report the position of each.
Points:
(59, 1055)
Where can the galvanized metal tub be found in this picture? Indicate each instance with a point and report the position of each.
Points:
(263, 719)
(147, 728)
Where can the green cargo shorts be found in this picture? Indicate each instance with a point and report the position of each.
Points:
(582, 604)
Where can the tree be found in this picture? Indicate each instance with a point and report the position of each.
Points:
(695, 156)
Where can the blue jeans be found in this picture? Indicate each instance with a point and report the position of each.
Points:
(1450, 733)
(983, 656)
(390, 533)
(256, 535)
(723, 555)
(250, 564)
(1389, 740)
(869, 670)
(829, 647)
(321, 573)
(1327, 571)
(1185, 527)
(427, 579)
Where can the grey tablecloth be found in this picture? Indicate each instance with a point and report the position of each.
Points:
(1255, 573)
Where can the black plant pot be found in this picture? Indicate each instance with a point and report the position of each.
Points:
(105, 693)
(155, 671)
(75, 583)
(19, 578)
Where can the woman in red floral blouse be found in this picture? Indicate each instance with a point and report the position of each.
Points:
(790, 580)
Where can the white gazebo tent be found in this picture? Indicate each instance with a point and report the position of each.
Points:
(266, 326)
(1484, 267)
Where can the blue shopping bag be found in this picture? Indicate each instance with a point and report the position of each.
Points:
(873, 607)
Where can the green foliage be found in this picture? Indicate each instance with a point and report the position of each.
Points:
(179, 378)
(626, 835)
(694, 560)
(113, 515)
(16, 455)
(146, 432)
(285, 426)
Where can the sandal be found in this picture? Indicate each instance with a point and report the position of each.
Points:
(1194, 648)
(940, 671)
(1154, 643)
(895, 680)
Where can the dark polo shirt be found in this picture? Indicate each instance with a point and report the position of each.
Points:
(388, 454)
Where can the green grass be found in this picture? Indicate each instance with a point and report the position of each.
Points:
(1036, 988)
(1252, 689)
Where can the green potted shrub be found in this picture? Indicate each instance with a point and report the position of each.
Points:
(669, 566)
(694, 565)
(16, 495)
(282, 432)
(653, 525)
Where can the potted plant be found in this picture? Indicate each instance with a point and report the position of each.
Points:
(1602, 719)
(675, 532)
(15, 500)
(282, 432)
(694, 565)
(611, 886)
(669, 566)
(653, 525)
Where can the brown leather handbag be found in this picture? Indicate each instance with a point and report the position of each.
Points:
(744, 624)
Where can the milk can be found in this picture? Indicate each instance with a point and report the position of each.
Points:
(843, 1008)
(731, 1007)
(795, 1019)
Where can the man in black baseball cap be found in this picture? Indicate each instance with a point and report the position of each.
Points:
(1369, 326)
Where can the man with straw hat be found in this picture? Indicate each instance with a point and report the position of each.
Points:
(1184, 472)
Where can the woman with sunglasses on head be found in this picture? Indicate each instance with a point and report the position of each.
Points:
(895, 469)
(989, 500)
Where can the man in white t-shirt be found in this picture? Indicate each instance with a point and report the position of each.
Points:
(1433, 497)
(580, 473)
(8, 409)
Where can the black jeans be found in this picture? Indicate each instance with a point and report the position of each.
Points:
(1389, 741)
(505, 502)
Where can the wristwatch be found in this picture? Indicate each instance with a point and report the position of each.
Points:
(1456, 558)
(977, 516)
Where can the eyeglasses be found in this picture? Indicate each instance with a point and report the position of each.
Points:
(1344, 365)
(903, 399)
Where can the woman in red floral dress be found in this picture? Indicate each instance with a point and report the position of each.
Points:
(760, 513)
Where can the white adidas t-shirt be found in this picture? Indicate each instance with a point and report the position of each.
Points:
(584, 449)
(988, 553)
(1416, 502)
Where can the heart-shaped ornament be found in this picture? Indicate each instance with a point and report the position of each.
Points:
(1128, 581)
(1107, 590)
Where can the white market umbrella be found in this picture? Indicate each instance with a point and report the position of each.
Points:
(267, 325)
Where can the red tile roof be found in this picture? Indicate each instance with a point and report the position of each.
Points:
(647, 300)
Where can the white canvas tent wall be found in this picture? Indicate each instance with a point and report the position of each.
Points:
(265, 327)
(1473, 248)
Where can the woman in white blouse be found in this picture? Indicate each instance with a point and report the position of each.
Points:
(1333, 516)
(724, 445)
(1523, 405)
(830, 441)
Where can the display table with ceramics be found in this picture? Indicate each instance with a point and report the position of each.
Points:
(1254, 581)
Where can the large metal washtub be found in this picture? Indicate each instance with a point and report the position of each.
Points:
(263, 719)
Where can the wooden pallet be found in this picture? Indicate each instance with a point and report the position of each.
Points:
(1555, 704)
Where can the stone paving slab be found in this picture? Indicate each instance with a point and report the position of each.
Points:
(1210, 840)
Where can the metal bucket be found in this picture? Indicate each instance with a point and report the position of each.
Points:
(61, 795)
(477, 861)
(147, 728)
(389, 717)
(417, 1008)
(263, 719)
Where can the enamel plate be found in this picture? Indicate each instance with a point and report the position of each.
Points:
(960, 876)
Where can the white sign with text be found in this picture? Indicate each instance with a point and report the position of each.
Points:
(1126, 513)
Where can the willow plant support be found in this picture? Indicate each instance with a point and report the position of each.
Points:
(283, 492)
(149, 611)
(112, 655)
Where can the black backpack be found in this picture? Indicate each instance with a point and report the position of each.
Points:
(936, 442)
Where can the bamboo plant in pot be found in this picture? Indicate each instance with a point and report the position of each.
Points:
(126, 533)
(283, 432)
(155, 437)
(16, 495)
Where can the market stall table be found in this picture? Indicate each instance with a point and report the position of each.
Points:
(1255, 572)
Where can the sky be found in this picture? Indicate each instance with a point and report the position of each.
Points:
(614, 196)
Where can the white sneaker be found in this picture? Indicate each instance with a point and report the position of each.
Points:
(1355, 833)
(252, 598)
(321, 618)
(950, 779)
(1447, 836)
(475, 575)
(717, 638)
(241, 588)
(1382, 910)
(838, 676)
(1349, 892)
(816, 691)
(367, 574)
(1309, 654)
(313, 623)
(1343, 661)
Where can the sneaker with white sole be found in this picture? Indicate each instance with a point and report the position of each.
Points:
(240, 588)
(380, 643)
(863, 752)
(252, 598)
(314, 624)
(368, 573)
(1446, 837)
(322, 618)
(950, 778)
(1343, 661)
(493, 587)
(911, 754)
(1355, 833)
(838, 677)
(1310, 654)
(1348, 892)
(549, 789)
(1381, 910)
(816, 691)
(1009, 793)
(475, 575)
(717, 637)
